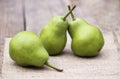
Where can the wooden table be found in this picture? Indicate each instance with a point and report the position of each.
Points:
(18, 15)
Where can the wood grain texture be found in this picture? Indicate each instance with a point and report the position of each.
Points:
(11, 21)
(39, 13)
(117, 39)
(105, 66)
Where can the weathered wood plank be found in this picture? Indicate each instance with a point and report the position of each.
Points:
(117, 39)
(39, 13)
(105, 66)
(11, 21)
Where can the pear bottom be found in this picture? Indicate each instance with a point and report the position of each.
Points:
(86, 48)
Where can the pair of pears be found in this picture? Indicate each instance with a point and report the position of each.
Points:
(27, 49)
(87, 40)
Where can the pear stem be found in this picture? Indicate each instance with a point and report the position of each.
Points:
(72, 15)
(48, 64)
(69, 12)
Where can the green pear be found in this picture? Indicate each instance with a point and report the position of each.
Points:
(87, 39)
(53, 35)
(26, 49)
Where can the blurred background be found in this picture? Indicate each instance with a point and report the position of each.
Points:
(18, 15)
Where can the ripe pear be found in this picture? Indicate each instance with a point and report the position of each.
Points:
(87, 39)
(26, 49)
(53, 35)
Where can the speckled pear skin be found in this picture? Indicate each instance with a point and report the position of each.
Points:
(26, 49)
(53, 35)
(87, 40)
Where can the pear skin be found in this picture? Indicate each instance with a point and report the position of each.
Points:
(87, 40)
(53, 35)
(26, 49)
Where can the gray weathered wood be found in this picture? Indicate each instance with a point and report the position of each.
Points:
(38, 13)
(117, 39)
(105, 66)
(11, 21)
